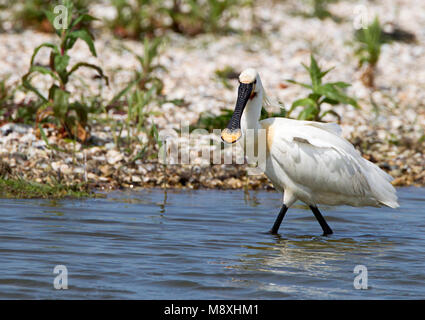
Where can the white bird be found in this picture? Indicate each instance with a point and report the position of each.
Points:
(306, 160)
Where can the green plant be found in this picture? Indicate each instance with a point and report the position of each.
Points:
(8, 109)
(224, 74)
(136, 99)
(11, 111)
(321, 93)
(319, 9)
(138, 114)
(135, 19)
(139, 18)
(3, 7)
(369, 41)
(6, 92)
(137, 107)
(30, 13)
(145, 78)
(201, 16)
(71, 117)
(18, 188)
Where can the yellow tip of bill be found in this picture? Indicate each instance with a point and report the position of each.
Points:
(230, 136)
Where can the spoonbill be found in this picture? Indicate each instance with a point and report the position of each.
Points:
(307, 160)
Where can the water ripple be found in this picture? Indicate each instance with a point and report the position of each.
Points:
(208, 245)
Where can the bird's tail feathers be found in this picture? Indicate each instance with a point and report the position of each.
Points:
(380, 185)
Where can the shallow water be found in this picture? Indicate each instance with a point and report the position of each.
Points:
(209, 245)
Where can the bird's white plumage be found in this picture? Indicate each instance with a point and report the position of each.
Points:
(248, 75)
(312, 162)
(318, 166)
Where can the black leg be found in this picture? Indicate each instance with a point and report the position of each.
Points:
(326, 229)
(279, 219)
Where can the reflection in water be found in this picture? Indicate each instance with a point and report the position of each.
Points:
(250, 198)
(298, 264)
(54, 212)
(313, 255)
(54, 203)
(131, 197)
(162, 205)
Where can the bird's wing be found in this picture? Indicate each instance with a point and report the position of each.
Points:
(316, 156)
(331, 127)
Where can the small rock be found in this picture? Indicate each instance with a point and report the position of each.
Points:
(14, 127)
(114, 156)
(65, 169)
(136, 179)
(110, 146)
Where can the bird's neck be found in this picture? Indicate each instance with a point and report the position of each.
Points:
(251, 116)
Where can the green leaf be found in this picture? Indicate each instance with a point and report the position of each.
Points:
(81, 111)
(305, 85)
(61, 62)
(308, 113)
(43, 70)
(305, 102)
(341, 84)
(60, 103)
(82, 18)
(46, 44)
(91, 66)
(370, 40)
(314, 96)
(323, 73)
(123, 91)
(27, 84)
(333, 93)
(51, 18)
(330, 93)
(84, 35)
(156, 135)
(152, 49)
(329, 101)
(315, 72)
(52, 91)
(51, 15)
(331, 112)
(70, 7)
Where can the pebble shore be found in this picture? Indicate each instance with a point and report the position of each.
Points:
(389, 130)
